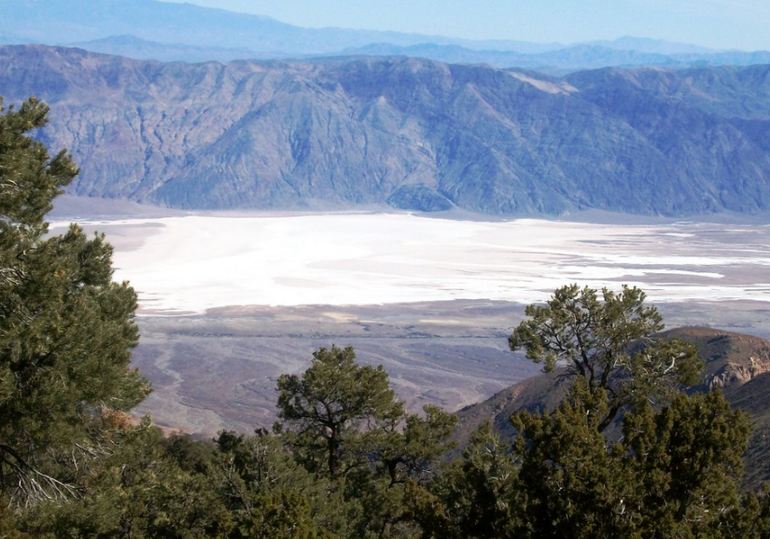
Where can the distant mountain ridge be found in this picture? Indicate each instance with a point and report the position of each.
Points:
(62, 22)
(567, 59)
(561, 60)
(413, 134)
(132, 47)
(153, 30)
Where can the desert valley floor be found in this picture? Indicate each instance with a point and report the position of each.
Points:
(227, 302)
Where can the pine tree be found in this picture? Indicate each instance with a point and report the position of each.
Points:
(329, 412)
(345, 424)
(66, 330)
(608, 342)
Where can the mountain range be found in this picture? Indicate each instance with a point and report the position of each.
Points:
(414, 134)
(153, 30)
(133, 47)
(558, 61)
(68, 21)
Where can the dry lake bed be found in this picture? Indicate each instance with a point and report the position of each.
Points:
(230, 302)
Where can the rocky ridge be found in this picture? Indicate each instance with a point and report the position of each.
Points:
(414, 134)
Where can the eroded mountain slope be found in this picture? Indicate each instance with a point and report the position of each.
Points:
(415, 134)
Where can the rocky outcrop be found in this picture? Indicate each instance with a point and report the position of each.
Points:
(415, 134)
(734, 374)
(732, 359)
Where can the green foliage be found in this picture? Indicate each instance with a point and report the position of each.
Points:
(750, 519)
(29, 180)
(477, 496)
(9, 527)
(402, 458)
(329, 411)
(407, 452)
(269, 495)
(345, 424)
(607, 343)
(686, 462)
(570, 474)
(675, 473)
(139, 490)
(66, 330)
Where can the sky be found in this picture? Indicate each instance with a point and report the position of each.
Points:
(724, 24)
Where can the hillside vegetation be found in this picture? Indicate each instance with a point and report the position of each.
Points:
(735, 363)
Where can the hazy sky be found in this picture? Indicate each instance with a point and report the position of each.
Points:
(743, 24)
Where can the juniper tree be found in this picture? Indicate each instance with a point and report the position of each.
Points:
(676, 472)
(686, 464)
